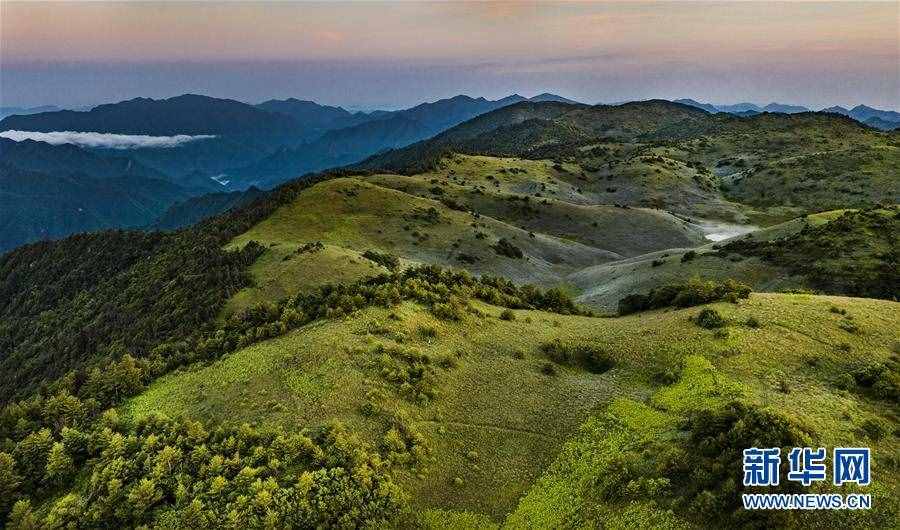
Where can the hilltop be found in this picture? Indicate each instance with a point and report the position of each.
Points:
(768, 167)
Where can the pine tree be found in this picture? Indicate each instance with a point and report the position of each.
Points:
(21, 517)
(59, 465)
(10, 481)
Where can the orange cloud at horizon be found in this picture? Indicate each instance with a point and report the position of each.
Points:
(210, 31)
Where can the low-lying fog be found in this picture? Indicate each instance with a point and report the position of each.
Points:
(717, 231)
(103, 140)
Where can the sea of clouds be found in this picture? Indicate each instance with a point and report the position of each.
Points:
(104, 140)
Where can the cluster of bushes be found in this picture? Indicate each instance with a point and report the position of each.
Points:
(505, 248)
(409, 370)
(388, 261)
(698, 474)
(590, 356)
(310, 248)
(710, 319)
(692, 293)
(882, 380)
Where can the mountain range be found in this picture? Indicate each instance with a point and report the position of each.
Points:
(260, 145)
(885, 120)
(368, 134)
(267, 144)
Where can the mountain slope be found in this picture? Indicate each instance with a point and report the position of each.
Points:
(486, 442)
(66, 158)
(762, 167)
(364, 135)
(36, 206)
(844, 252)
(475, 213)
(195, 209)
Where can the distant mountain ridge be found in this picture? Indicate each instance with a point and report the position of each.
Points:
(373, 133)
(885, 120)
(37, 205)
(187, 114)
(9, 111)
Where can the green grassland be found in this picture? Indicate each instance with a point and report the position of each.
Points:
(285, 270)
(454, 216)
(503, 437)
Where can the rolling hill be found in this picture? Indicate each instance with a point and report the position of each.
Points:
(842, 252)
(366, 347)
(476, 430)
(767, 167)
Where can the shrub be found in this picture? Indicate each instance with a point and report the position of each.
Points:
(882, 379)
(710, 319)
(688, 256)
(875, 428)
(848, 326)
(844, 382)
(752, 322)
(505, 248)
(557, 351)
(548, 369)
(694, 292)
(453, 310)
(590, 356)
(387, 261)
(507, 314)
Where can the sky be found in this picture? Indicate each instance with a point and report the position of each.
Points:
(394, 54)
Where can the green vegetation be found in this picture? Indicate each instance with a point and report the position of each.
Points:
(855, 254)
(41, 458)
(666, 155)
(694, 292)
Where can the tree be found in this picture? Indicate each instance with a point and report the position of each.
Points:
(21, 517)
(59, 465)
(63, 410)
(10, 481)
(31, 456)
